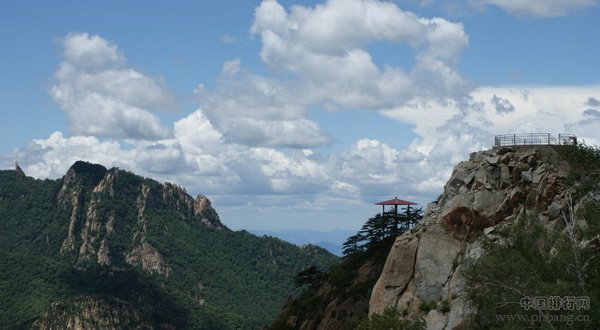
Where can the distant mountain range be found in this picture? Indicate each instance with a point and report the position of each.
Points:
(105, 248)
(332, 240)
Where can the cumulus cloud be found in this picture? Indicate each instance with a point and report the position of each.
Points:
(371, 168)
(262, 112)
(102, 96)
(319, 57)
(252, 141)
(449, 132)
(326, 47)
(52, 157)
(201, 158)
(540, 8)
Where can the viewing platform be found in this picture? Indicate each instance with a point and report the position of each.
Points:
(533, 139)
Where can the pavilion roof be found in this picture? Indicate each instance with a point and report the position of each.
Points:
(396, 201)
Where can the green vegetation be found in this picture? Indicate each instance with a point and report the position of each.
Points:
(367, 250)
(445, 306)
(391, 319)
(220, 279)
(591, 213)
(584, 161)
(426, 306)
(533, 261)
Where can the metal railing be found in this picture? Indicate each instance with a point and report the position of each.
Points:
(533, 139)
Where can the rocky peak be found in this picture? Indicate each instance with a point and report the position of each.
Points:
(176, 196)
(491, 189)
(202, 203)
(208, 215)
(81, 175)
(86, 192)
(20, 173)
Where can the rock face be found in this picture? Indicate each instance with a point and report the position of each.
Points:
(149, 259)
(399, 270)
(85, 191)
(92, 313)
(19, 171)
(490, 190)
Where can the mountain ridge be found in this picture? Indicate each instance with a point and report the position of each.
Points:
(331, 240)
(100, 246)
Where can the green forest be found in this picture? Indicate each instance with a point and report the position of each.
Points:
(220, 279)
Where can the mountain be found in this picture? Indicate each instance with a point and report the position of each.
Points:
(107, 248)
(514, 224)
(512, 242)
(331, 241)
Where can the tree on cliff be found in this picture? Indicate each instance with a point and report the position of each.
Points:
(380, 228)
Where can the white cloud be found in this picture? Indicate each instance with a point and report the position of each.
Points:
(541, 8)
(200, 158)
(197, 134)
(319, 57)
(52, 157)
(326, 47)
(448, 132)
(91, 52)
(375, 168)
(261, 112)
(251, 140)
(103, 97)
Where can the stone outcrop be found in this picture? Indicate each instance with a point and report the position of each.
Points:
(85, 191)
(399, 270)
(144, 254)
(202, 209)
(202, 203)
(149, 259)
(19, 170)
(490, 190)
(92, 313)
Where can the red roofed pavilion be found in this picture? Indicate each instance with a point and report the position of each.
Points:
(395, 202)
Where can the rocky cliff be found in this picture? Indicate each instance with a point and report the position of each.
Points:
(93, 196)
(490, 191)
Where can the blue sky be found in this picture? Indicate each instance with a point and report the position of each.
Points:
(291, 114)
